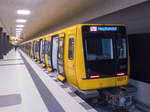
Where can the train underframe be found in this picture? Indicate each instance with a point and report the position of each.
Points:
(117, 99)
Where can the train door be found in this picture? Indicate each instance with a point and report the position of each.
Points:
(49, 54)
(40, 54)
(34, 49)
(41, 51)
(54, 51)
(39, 45)
(46, 51)
(60, 58)
(70, 62)
(30, 49)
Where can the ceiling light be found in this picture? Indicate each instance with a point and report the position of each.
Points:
(21, 26)
(21, 20)
(19, 29)
(23, 12)
(18, 33)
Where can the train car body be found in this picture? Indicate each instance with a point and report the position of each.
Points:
(88, 56)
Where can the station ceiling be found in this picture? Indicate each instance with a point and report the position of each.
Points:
(44, 13)
(136, 18)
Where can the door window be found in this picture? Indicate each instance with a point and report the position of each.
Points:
(60, 55)
(54, 52)
(71, 49)
(46, 47)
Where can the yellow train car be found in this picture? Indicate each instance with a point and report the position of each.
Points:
(38, 50)
(88, 56)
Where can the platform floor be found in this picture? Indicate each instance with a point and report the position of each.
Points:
(24, 87)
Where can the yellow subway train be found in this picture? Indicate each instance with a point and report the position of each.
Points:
(87, 56)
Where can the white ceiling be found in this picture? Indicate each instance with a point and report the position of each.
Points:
(44, 13)
(50, 15)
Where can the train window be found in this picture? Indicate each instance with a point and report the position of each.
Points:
(32, 44)
(49, 53)
(121, 46)
(99, 49)
(71, 49)
(36, 46)
(60, 49)
(46, 45)
(43, 50)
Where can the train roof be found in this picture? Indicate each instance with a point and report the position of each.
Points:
(61, 30)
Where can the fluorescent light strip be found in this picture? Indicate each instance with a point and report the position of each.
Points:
(18, 33)
(20, 26)
(19, 29)
(23, 12)
(21, 20)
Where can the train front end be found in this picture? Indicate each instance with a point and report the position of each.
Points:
(103, 57)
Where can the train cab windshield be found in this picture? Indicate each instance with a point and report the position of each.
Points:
(105, 51)
(99, 48)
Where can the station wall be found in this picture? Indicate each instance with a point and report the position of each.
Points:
(139, 45)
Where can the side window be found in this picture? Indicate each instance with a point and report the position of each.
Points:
(71, 49)
(36, 46)
(43, 51)
(32, 46)
(46, 45)
(60, 48)
(49, 47)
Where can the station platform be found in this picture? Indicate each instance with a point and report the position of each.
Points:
(26, 87)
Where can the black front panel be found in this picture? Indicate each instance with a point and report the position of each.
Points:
(105, 50)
